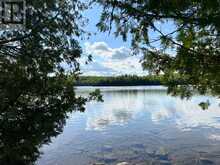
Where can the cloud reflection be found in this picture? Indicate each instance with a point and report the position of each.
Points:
(188, 114)
(120, 107)
(113, 117)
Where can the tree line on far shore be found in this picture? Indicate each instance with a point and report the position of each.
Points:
(123, 80)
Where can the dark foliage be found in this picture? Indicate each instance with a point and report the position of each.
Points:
(195, 38)
(35, 94)
(126, 80)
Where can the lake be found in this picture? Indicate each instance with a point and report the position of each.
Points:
(138, 125)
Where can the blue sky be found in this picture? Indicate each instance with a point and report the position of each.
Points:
(111, 56)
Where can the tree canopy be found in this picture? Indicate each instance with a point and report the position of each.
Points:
(35, 94)
(35, 90)
(195, 39)
(123, 80)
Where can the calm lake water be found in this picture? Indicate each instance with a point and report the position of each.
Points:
(138, 125)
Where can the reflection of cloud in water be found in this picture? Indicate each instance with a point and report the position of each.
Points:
(188, 114)
(122, 116)
(113, 117)
(121, 107)
(117, 109)
(215, 137)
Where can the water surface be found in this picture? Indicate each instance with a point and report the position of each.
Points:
(138, 125)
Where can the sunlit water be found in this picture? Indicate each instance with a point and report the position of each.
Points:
(138, 125)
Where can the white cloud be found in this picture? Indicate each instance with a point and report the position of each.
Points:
(97, 69)
(102, 49)
(98, 49)
(111, 61)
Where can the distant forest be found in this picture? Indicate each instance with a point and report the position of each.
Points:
(125, 80)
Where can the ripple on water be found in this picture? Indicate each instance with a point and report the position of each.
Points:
(138, 125)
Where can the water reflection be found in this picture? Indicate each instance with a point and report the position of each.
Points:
(116, 116)
(123, 105)
(139, 125)
(187, 114)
